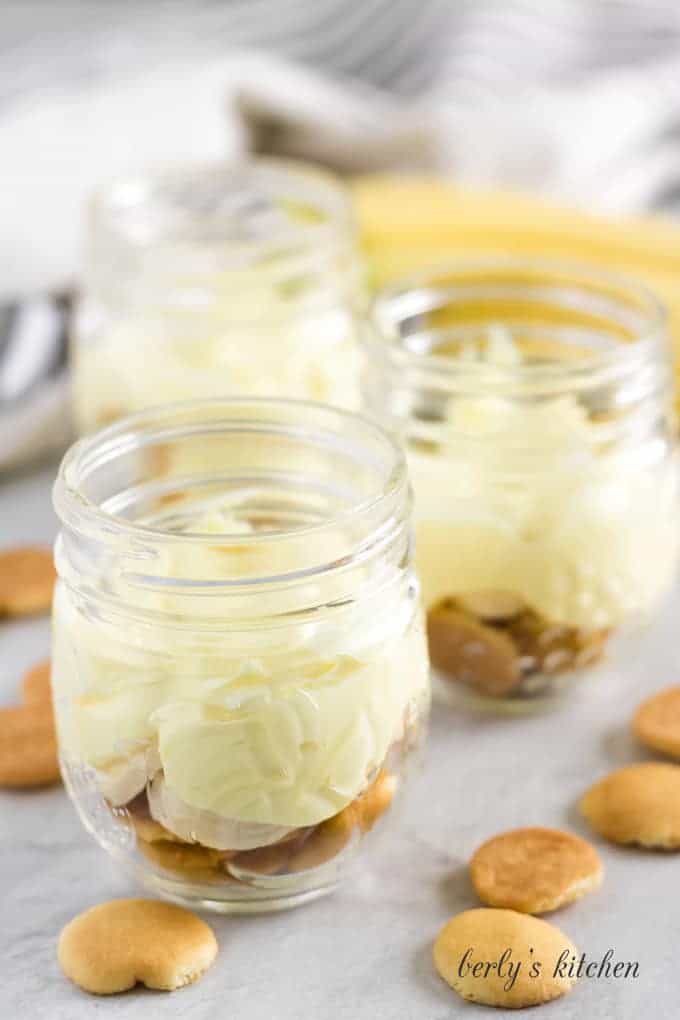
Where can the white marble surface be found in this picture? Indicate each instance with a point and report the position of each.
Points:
(364, 953)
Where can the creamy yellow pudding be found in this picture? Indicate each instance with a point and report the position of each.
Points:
(283, 729)
(291, 351)
(538, 499)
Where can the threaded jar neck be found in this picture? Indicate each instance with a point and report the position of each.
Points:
(190, 236)
(523, 333)
(213, 504)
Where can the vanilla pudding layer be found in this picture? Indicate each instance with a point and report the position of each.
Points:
(292, 351)
(565, 505)
(278, 732)
(241, 719)
(530, 500)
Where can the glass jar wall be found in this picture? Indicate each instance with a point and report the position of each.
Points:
(535, 402)
(239, 660)
(217, 280)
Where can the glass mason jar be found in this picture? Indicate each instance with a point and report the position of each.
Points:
(218, 280)
(239, 659)
(535, 402)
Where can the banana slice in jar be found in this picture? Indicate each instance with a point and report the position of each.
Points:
(198, 825)
(121, 780)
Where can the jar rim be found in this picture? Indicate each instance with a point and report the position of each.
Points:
(321, 190)
(75, 508)
(385, 317)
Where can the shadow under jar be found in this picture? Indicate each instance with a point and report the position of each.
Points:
(217, 280)
(535, 404)
(239, 661)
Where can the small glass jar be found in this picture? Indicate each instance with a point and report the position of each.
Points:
(218, 280)
(239, 660)
(535, 402)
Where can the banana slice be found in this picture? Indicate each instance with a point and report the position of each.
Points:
(124, 778)
(196, 825)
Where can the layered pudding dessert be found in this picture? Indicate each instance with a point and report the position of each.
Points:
(287, 740)
(535, 402)
(217, 280)
(542, 525)
(239, 678)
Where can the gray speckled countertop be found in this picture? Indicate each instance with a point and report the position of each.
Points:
(365, 952)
